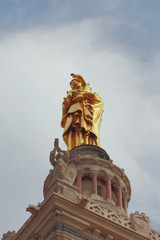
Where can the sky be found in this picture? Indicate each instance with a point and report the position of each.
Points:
(115, 46)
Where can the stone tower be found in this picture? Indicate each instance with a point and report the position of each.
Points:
(86, 197)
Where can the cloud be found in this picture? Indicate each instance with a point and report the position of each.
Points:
(35, 68)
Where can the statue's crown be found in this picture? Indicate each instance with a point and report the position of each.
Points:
(79, 78)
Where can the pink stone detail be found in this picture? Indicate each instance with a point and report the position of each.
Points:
(79, 183)
(124, 202)
(119, 196)
(108, 189)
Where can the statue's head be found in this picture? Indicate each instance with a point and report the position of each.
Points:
(78, 83)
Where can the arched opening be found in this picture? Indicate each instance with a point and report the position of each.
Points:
(101, 188)
(114, 194)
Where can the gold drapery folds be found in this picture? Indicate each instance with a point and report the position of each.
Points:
(81, 114)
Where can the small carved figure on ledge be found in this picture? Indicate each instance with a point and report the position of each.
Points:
(62, 169)
(64, 155)
(81, 114)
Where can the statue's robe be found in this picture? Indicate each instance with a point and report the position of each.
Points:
(81, 119)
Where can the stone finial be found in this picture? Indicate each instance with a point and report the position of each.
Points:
(9, 235)
(140, 215)
(140, 223)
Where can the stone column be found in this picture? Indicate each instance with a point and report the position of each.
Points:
(94, 183)
(79, 182)
(119, 196)
(108, 189)
(124, 202)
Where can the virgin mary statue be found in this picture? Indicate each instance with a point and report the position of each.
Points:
(81, 114)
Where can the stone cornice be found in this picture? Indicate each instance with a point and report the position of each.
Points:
(83, 218)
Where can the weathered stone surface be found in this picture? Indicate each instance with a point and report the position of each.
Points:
(66, 213)
(9, 235)
(140, 223)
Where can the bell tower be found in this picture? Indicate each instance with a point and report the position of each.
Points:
(86, 195)
(99, 179)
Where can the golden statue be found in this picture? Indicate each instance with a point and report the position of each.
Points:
(81, 114)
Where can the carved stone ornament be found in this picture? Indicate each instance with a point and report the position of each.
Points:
(140, 223)
(154, 235)
(33, 209)
(109, 214)
(9, 235)
(63, 170)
